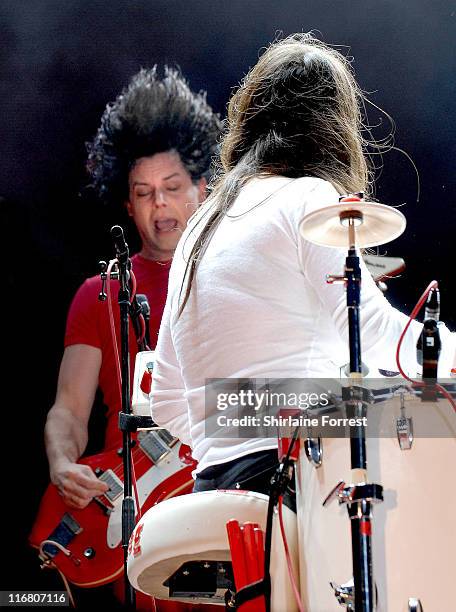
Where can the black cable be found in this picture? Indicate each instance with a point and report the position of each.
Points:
(279, 484)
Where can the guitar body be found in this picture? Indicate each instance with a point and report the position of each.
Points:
(93, 535)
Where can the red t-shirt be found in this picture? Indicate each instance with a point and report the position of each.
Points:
(88, 323)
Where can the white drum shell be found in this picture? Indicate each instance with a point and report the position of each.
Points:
(414, 529)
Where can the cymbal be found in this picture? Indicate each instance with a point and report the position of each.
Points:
(380, 224)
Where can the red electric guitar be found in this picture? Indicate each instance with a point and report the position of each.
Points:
(382, 268)
(85, 545)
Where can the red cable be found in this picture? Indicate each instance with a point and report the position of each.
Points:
(141, 319)
(134, 483)
(133, 285)
(113, 328)
(142, 323)
(288, 557)
(432, 285)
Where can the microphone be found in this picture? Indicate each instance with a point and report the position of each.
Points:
(432, 306)
(140, 307)
(429, 345)
(144, 306)
(120, 244)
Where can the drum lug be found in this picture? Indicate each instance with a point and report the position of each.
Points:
(335, 492)
(414, 605)
(352, 494)
(345, 594)
(404, 427)
(314, 451)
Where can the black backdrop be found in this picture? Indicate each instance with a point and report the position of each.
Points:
(60, 62)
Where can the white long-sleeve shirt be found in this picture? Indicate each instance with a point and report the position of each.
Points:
(260, 307)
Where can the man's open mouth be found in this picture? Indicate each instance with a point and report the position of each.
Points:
(165, 225)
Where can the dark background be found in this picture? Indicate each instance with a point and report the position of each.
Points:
(61, 62)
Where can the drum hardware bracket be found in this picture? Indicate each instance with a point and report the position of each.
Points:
(314, 451)
(114, 275)
(204, 579)
(132, 422)
(334, 492)
(414, 605)
(404, 427)
(345, 594)
(359, 499)
(353, 494)
(356, 393)
(336, 279)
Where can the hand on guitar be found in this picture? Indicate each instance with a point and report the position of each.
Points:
(77, 484)
(98, 526)
(66, 429)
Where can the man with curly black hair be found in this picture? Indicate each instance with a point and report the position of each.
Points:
(153, 153)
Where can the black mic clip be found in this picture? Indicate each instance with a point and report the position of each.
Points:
(114, 274)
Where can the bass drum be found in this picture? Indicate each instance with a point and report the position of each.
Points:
(414, 529)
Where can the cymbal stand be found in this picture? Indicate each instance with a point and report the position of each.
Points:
(359, 495)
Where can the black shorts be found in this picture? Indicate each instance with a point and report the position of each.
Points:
(250, 473)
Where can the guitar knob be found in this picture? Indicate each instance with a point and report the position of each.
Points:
(89, 553)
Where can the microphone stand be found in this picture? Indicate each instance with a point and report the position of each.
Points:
(128, 504)
(128, 422)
